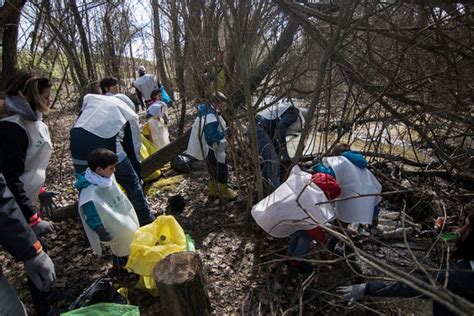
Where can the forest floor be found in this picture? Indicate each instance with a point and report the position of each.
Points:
(245, 268)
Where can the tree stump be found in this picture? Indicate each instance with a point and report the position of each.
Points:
(181, 285)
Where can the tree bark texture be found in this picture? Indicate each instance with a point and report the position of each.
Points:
(281, 47)
(165, 154)
(158, 46)
(83, 37)
(9, 19)
(181, 285)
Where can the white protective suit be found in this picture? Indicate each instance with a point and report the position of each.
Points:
(355, 181)
(279, 213)
(146, 84)
(276, 111)
(117, 215)
(38, 153)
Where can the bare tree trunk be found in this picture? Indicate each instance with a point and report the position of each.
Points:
(111, 58)
(84, 42)
(9, 19)
(158, 45)
(281, 47)
(34, 36)
(179, 62)
(68, 47)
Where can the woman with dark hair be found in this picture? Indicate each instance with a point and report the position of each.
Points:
(25, 150)
(459, 278)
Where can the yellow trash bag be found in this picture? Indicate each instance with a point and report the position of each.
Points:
(146, 150)
(147, 144)
(152, 243)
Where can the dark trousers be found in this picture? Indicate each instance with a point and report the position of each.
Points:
(219, 171)
(270, 160)
(40, 299)
(277, 129)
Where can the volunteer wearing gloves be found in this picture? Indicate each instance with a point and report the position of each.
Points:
(207, 141)
(26, 147)
(459, 276)
(17, 238)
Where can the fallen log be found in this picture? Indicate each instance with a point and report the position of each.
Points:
(65, 212)
(181, 285)
(158, 159)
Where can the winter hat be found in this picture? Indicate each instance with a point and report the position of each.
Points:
(327, 184)
(141, 69)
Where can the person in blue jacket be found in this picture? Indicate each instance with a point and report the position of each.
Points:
(355, 157)
(207, 141)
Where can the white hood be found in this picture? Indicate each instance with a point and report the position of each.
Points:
(104, 116)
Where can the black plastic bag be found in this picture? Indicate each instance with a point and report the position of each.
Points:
(101, 291)
(181, 164)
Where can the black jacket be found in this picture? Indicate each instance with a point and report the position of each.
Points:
(460, 282)
(15, 235)
(13, 149)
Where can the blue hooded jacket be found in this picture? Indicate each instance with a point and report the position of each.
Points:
(90, 212)
(212, 133)
(165, 96)
(354, 156)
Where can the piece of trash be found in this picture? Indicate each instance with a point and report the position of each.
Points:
(451, 236)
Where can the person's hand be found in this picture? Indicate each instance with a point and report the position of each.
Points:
(47, 202)
(104, 235)
(353, 292)
(41, 227)
(41, 271)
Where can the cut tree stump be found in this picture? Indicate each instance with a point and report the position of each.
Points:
(181, 285)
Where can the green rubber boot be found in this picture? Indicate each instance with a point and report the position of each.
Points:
(227, 193)
(212, 187)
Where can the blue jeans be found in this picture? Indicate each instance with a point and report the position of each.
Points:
(128, 179)
(299, 243)
(270, 164)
